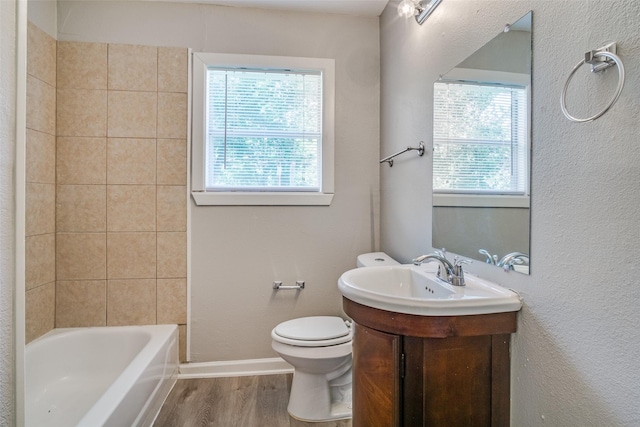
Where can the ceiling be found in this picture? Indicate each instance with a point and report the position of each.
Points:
(345, 7)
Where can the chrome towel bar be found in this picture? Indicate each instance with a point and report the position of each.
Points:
(419, 149)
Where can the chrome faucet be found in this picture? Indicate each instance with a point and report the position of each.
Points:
(509, 260)
(445, 268)
(491, 259)
(450, 273)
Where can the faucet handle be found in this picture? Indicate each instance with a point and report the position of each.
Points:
(457, 261)
(491, 259)
(510, 263)
(458, 274)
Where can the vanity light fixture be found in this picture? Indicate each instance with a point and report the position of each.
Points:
(421, 9)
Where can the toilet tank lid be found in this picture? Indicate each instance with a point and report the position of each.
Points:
(373, 259)
(314, 328)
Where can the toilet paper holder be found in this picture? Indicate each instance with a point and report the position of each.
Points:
(277, 285)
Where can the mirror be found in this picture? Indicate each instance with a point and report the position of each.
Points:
(482, 147)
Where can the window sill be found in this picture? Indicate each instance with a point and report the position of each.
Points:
(477, 200)
(203, 198)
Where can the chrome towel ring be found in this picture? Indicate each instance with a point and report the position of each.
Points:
(600, 60)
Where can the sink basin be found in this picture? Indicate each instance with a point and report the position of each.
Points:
(417, 290)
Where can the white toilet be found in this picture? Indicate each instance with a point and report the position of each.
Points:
(319, 349)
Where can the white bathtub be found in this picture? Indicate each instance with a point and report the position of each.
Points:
(104, 376)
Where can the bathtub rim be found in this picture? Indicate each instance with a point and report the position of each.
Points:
(113, 396)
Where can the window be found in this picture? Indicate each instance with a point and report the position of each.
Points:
(480, 139)
(262, 130)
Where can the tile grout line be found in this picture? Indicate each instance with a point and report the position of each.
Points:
(156, 174)
(106, 199)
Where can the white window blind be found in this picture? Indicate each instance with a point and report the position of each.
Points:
(263, 130)
(480, 139)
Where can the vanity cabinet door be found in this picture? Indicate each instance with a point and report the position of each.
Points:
(457, 381)
(376, 378)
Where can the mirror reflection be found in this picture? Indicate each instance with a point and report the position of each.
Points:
(482, 146)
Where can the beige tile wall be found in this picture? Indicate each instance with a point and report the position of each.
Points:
(40, 183)
(106, 199)
(121, 185)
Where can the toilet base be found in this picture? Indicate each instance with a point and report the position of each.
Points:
(312, 399)
(341, 411)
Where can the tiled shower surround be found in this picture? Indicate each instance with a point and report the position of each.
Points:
(40, 220)
(109, 191)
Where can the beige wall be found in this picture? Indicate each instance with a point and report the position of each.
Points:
(237, 252)
(106, 199)
(40, 187)
(121, 185)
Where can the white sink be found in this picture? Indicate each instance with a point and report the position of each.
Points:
(414, 289)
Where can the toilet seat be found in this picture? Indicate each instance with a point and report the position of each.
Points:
(314, 331)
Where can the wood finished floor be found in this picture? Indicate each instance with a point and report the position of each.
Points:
(258, 401)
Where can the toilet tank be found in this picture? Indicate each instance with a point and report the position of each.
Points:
(374, 259)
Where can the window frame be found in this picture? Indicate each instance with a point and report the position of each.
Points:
(468, 199)
(201, 61)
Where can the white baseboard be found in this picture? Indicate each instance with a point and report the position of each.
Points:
(235, 368)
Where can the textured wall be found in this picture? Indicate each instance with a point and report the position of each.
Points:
(7, 205)
(574, 357)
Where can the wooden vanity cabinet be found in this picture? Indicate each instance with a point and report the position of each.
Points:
(433, 371)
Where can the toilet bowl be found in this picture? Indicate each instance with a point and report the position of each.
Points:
(319, 349)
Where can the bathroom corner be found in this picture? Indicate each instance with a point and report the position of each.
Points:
(106, 185)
